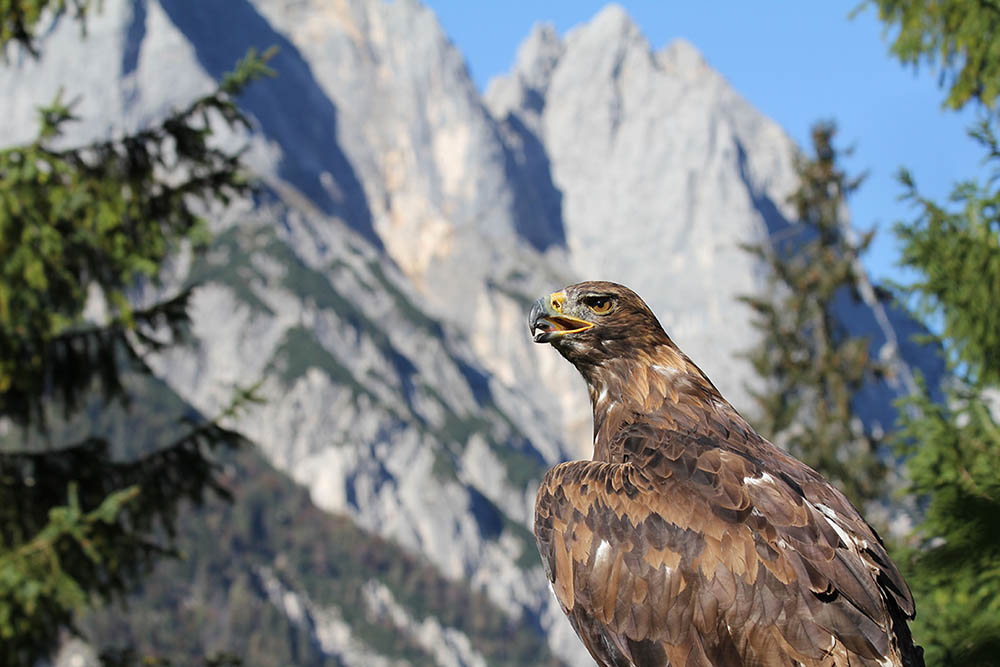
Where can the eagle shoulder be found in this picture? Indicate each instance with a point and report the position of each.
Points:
(669, 548)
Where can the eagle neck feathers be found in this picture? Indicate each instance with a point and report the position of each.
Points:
(659, 385)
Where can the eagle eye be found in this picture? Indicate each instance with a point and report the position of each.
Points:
(598, 304)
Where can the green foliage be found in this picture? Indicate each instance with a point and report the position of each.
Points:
(961, 36)
(953, 450)
(956, 251)
(229, 261)
(19, 19)
(106, 216)
(954, 568)
(36, 590)
(811, 367)
(78, 524)
(55, 554)
(299, 351)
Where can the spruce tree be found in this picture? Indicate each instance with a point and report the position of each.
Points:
(959, 36)
(953, 450)
(811, 366)
(77, 524)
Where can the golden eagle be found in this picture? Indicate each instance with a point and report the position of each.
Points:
(690, 540)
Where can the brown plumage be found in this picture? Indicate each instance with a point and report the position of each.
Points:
(690, 540)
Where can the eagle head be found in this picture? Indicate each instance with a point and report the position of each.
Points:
(594, 321)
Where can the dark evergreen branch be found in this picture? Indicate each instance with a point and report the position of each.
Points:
(106, 215)
(77, 358)
(19, 20)
(101, 214)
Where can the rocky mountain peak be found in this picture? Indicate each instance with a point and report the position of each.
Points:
(611, 26)
(536, 58)
(684, 59)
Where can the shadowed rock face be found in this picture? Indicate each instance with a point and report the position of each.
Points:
(291, 111)
(379, 282)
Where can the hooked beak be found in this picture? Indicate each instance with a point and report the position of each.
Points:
(548, 323)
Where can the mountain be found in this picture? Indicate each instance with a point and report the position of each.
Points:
(377, 286)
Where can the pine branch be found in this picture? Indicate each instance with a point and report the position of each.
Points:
(19, 20)
(107, 214)
(75, 524)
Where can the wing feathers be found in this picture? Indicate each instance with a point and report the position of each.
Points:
(562, 569)
(713, 548)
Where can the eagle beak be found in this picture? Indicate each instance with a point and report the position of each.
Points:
(547, 322)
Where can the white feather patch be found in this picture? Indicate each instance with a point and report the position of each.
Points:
(765, 478)
(831, 518)
(603, 551)
(666, 371)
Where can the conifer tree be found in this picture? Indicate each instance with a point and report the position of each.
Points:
(78, 525)
(953, 450)
(811, 366)
(959, 36)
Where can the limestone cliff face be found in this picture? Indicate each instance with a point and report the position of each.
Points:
(378, 285)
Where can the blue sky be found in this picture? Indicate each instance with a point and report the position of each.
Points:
(797, 62)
